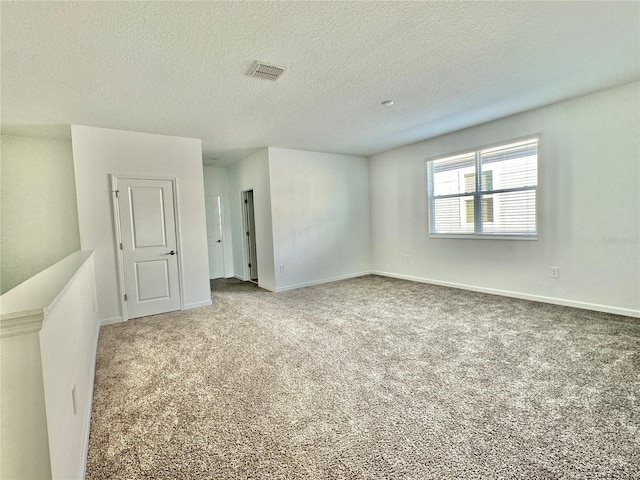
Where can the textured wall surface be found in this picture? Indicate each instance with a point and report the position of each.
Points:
(320, 210)
(252, 173)
(99, 152)
(39, 219)
(588, 216)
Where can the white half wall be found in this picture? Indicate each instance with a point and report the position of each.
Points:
(320, 211)
(68, 345)
(24, 451)
(588, 208)
(48, 339)
(252, 173)
(216, 182)
(99, 152)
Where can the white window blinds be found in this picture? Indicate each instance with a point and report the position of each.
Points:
(488, 192)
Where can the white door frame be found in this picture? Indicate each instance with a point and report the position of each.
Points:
(113, 183)
(245, 256)
(245, 248)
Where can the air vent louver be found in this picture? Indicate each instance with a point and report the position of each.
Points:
(266, 71)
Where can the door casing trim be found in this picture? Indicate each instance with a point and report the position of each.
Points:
(113, 184)
(245, 254)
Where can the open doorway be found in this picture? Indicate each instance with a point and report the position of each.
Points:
(249, 223)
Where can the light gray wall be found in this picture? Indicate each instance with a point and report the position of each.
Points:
(320, 211)
(99, 152)
(252, 173)
(39, 219)
(588, 206)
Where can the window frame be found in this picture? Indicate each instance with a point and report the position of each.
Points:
(478, 193)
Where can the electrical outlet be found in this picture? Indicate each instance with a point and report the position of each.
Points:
(407, 258)
(281, 268)
(554, 272)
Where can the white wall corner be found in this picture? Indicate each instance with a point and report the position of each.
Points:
(111, 321)
(285, 288)
(204, 303)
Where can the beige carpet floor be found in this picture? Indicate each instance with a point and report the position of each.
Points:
(368, 378)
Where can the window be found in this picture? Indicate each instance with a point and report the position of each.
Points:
(486, 193)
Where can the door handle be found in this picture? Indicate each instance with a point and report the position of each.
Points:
(172, 252)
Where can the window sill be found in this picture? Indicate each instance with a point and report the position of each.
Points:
(487, 236)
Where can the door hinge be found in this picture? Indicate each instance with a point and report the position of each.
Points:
(247, 234)
(117, 192)
(249, 265)
(246, 201)
(120, 246)
(125, 297)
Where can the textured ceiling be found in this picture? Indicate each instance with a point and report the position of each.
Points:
(178, 68)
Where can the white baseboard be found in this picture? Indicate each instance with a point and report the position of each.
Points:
(203, 303)
(524, 296)
(321, 281)
(187, 306)
(111, 320)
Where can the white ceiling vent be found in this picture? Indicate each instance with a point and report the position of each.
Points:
(266, 71)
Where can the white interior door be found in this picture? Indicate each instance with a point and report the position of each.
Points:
(213, 205)
(149, 246)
